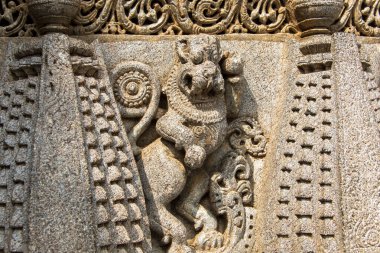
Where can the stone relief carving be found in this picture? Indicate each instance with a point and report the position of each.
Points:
(366, 225)
(318, 16)
(18, 103)
(359, 215)
(366, 17)
(189, 17)
(14, 19)
(71, 132)
(231, 188)
(138, 93)
(118, 205)
(306, 211)
(200, 149)
(194, 17)
(372, 85)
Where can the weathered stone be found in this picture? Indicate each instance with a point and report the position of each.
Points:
(53, 15)
(59, 178)
(170, 18)
(315, 17)
(359, 135)
(196, 144)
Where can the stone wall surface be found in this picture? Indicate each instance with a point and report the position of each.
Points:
(190, 126)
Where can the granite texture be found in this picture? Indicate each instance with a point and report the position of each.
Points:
(194, 143)
(266, 94)
(59, 182)
(359, 148)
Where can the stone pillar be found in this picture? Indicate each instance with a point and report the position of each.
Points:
(85, 192)
(359, 150)
(60, 193)
(60, 190)
(305, 208)
(324, 179)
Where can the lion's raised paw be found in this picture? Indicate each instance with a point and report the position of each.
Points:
(195, 157)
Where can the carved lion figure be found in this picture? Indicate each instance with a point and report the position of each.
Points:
(194, 126)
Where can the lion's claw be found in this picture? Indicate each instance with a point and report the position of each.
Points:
(207, 240)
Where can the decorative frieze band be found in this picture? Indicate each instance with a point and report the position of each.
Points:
(200, 16)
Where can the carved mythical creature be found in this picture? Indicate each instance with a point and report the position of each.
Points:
(176, 168)
(194, 126)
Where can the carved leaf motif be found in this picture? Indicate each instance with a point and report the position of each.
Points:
(206, 12)
(260, 16)
(93, 16)
(205, 16)
(89, 11)
(231, 193)
(142, 16)
(246, 136)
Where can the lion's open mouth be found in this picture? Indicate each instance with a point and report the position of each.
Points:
(209, 98)
(204, 104)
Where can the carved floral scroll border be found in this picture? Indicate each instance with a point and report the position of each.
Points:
(148, 17)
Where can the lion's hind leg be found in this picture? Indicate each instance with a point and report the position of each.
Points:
(204, 221)
(163, 178)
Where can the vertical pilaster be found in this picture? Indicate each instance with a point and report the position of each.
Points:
(60, 193)
(359, 149)
(306, 200)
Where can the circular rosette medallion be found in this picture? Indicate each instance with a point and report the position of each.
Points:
(133, 89)
(133, 85)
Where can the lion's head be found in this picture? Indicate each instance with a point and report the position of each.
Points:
(200, 75)
(195, 88)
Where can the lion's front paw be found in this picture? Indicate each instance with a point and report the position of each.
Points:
(208, 240)
(195, 156)
(177, 248)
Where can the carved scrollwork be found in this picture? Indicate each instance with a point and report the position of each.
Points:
(231, 187)
(205, 16)
(14, 19)
(230, 193)
(345, 17)
(369, 233)
(262, 16)
(246, 135)
(93, 16)
(367, 17)
(194, 17)
(141, 16)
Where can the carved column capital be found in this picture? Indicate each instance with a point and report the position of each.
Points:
(315, 17)
(53, 15)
